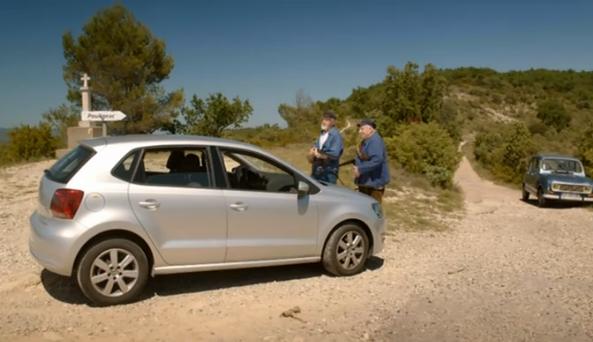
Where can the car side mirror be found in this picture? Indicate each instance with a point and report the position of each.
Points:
(302, 188)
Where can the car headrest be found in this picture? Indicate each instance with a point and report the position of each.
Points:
(176, 160)
(192, 162)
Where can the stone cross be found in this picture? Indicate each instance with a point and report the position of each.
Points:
(85, 78)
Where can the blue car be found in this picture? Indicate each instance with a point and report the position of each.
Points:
(557, 178)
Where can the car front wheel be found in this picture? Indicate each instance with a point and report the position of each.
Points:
(525, 194)
(542, 202)
(346, 251)
(112, 272)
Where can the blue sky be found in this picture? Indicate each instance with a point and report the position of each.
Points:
(266, 51)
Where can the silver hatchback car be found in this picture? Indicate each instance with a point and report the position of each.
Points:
(116, 210)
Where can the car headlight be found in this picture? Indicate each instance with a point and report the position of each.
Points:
(377, 209)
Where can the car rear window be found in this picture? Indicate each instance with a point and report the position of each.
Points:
(65, 168)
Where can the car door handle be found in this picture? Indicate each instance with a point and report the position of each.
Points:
(239, 206)
(149, 204)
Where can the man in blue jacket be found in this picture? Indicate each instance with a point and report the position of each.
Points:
(325, 154)
(371, 169)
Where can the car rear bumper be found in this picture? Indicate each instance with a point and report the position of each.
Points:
(51, 243)
(565, 197)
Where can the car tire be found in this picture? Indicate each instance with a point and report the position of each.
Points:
(542, 202)
(112, 272)
(525, 194)
(346, 251)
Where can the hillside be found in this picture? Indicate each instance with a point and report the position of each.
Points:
(504, 116)
(510, 116)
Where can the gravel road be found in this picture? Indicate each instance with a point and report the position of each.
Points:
(506, 271)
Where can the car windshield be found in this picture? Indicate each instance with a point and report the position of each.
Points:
(561, 165)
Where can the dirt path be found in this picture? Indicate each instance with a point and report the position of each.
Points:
(507, 271)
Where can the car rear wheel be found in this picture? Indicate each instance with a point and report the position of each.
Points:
(346, 251)
(525, 194)
(112, 272)
(542, 202)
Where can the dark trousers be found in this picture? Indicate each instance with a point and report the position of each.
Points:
(377, 194)
(329, 177)
(324, 173)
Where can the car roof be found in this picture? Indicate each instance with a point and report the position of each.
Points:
(552, 155)
(140, 140)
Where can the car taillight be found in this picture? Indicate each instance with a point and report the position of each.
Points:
(65, 203)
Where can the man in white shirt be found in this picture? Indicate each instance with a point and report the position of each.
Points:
(325, 154)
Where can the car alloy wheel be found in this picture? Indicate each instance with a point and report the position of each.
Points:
(350, 250)
(346, 250)
(114, 272)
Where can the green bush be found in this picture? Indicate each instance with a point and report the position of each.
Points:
(552, 113)
(4, 158)
(427, 149)
(505, 150)
(30, 143)
(585, 149)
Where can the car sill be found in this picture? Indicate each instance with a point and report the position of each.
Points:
(232, 265)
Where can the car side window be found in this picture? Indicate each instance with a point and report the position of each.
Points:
(249, 171)
(174, 166)
(533, 166)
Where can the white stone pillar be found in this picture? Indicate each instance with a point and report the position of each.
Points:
(85, 91)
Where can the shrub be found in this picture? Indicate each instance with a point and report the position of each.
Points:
(30, 142)
(427, 149)
(450, 119)
(505, 150)
(585, 150)
(4, 158)
(552, 113)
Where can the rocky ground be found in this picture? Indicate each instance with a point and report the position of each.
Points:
(505, 271)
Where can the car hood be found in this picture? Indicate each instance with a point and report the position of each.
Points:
(344, 192)
(568, 179)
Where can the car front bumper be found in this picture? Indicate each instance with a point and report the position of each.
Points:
(51, 243)
(562, 196)
(379, 236)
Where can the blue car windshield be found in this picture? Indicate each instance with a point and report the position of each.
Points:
(561, 165)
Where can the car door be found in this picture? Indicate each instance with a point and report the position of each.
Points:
(266, 218)
(531, 175)
(174, 198)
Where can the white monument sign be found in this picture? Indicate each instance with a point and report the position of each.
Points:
(103, 115)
